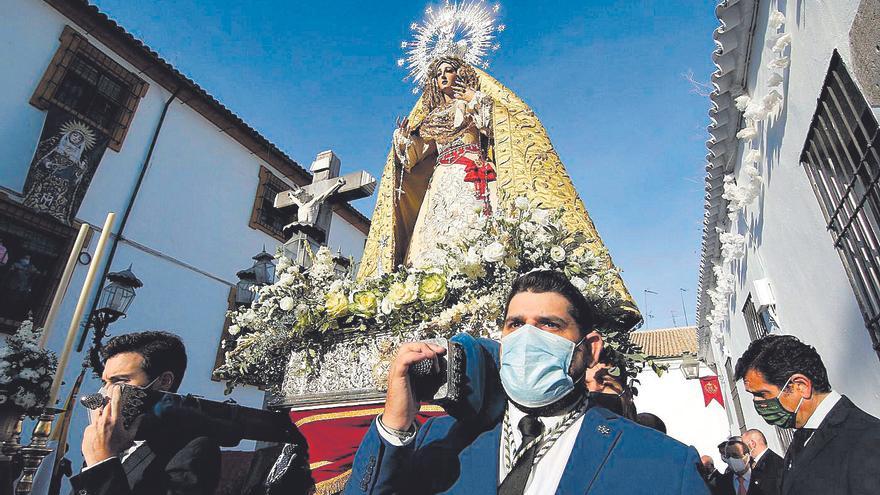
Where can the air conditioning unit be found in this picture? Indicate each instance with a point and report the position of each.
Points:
(762, 295)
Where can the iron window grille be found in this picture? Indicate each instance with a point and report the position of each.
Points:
(754, 322)
(841, 159)
(265, 216)
(84, 81)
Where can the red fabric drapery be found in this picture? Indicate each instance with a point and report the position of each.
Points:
(334, 435)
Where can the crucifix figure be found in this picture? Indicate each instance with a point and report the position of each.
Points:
(313, 202)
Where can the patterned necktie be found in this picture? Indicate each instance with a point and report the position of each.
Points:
(515, 482)
(742, 490)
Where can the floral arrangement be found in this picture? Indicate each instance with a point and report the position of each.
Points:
(463, 291)
(26, 370)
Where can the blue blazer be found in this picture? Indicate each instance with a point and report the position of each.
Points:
(611, 456)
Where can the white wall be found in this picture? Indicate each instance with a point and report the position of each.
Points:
(787, 239)
(679, 403)
(191, 214)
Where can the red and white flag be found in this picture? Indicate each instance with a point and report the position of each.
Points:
(711, 390)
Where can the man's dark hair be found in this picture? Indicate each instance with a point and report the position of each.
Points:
(162, 351)
(778, 357)
(651, 421)
(543, 281)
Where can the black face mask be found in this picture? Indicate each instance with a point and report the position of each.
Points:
(612, 402)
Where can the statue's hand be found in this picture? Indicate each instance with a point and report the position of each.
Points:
(463, 92)
(403, 125)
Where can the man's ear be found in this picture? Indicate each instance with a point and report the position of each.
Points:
(165, 381)
(595, 344)
(801, 385)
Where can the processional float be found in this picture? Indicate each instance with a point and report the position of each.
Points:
(472, 194)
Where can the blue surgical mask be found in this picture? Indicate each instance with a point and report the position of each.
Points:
(534, 366)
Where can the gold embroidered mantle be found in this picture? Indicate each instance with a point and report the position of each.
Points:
(526, 164)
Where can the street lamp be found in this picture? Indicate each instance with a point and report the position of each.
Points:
(244, 289)
(261, 273)
(690, 367)
(115, 299)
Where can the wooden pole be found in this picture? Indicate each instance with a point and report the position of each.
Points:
(61, 291)
(64, 357)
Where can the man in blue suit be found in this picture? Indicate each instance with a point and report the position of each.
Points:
(525, 426)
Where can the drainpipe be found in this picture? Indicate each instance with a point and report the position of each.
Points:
(128, 208)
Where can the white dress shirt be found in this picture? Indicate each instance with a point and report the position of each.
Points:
(125, 454)
(821, 412)
(546, 474)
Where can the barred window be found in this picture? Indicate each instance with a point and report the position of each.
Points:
(754, 322)
(842, 161)
(84, 81)
(265, 216)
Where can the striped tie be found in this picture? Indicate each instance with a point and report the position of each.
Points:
(742, 486)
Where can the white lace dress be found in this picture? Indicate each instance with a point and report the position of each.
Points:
(451, 210)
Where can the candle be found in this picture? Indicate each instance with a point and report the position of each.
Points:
(80, 308)
(61, 291)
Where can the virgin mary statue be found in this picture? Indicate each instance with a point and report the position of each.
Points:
(468, 148)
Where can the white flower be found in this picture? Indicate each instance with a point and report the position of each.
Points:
(747, 133)
(522, 203)
(283, 264)
(493, 253)
(742, 102)
(781, 43)
(753, 156)
(286, 303)
(578, 282)
(779, 63)
(777, 19)
(557, 253)
(541, 216)
(775, 79)
(287, 279)
(386, 306)
(233, 329)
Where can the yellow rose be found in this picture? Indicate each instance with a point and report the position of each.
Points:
(336, 304)
(399, 294)
(433, 288)
(364, 303)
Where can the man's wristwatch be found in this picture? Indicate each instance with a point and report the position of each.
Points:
(402, 435)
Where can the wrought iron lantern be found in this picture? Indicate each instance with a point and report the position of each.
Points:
(690, 367)
(115, 299)
(119, 293)
(244, 289)
(264, 268)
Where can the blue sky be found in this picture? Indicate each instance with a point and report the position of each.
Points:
(605, 77)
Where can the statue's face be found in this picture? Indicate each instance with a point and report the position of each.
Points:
(445, 77)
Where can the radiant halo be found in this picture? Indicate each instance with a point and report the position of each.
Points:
(76, 126)
(466, 29)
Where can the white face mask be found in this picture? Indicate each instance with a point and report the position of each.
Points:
(736, 464)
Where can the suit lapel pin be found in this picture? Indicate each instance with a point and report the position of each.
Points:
(604, 430)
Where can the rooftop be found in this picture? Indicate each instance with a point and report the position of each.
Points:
(666, 342)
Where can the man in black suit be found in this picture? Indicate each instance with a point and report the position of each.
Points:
(740, 478)
(168, 461)
(836, 448)
(766, 464)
